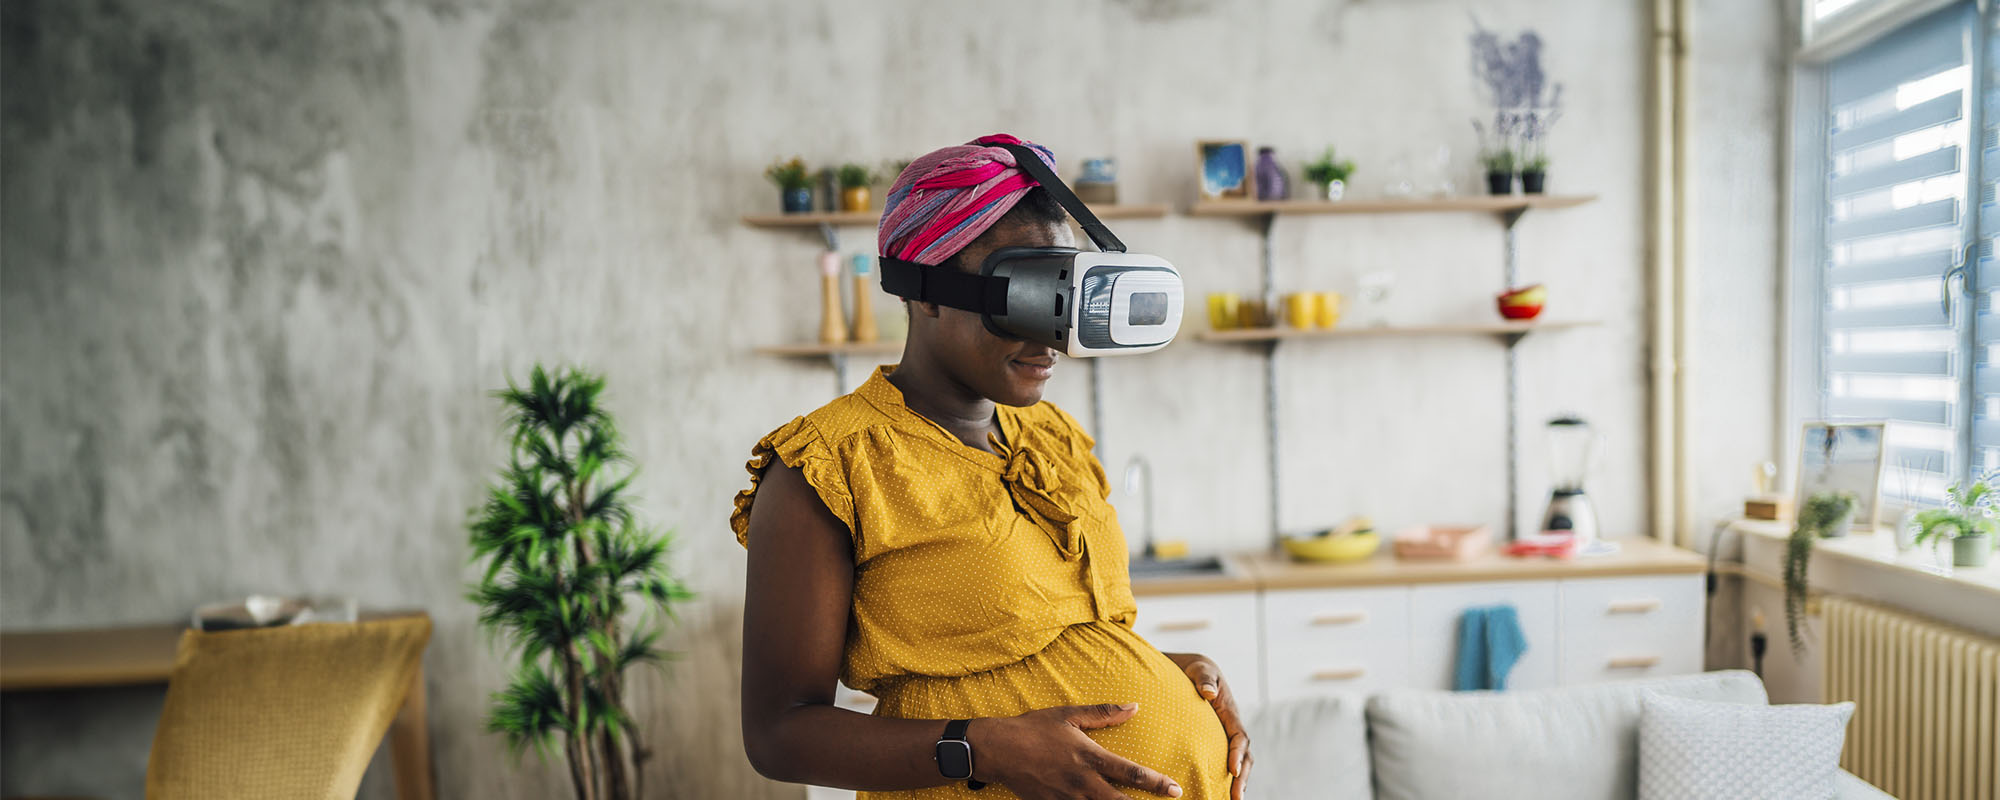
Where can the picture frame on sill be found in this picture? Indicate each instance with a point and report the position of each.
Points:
(1843, 456)
(1222, 170)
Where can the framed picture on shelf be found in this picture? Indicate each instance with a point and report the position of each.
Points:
(1843, 457)
(1222, 169)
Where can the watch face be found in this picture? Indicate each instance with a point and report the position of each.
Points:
(955, 759)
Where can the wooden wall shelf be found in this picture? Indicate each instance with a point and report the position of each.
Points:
(1359, 332)
(1488, 203)
(817, 350)
(870, 218)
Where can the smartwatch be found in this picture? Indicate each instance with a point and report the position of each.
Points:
(954, 754)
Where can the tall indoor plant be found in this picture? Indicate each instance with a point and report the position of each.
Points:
(570, 578)
(1823, 515)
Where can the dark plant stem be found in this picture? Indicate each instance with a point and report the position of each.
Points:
(614, 766)
(578, 742)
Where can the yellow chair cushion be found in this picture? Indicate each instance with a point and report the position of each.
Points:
(292, 712)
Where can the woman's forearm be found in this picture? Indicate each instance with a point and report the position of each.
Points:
(826, 745)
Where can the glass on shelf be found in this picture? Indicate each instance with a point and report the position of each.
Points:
(1375, 287)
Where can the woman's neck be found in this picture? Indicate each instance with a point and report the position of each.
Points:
(932, 393)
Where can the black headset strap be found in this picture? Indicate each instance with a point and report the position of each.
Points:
(944, 286)
(1028, 161)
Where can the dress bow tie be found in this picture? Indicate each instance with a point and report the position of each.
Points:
(1033, 487)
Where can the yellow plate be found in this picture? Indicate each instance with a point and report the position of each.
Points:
(1352, 547)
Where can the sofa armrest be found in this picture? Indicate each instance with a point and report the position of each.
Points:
(1848, 787)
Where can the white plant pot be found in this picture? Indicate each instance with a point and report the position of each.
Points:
(1335, 189)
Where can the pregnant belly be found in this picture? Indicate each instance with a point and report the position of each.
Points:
(1175, 731)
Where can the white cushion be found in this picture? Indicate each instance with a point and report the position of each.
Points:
(1695, 750)
(1578, 742)
(1316, 747)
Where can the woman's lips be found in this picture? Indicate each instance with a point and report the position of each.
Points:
(1031, 370)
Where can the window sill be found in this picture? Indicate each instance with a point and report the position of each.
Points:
(1878, 549)
(1867, 565)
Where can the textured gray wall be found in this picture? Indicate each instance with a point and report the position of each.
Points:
(262, 261)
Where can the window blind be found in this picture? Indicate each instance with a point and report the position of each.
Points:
(1892, 347)
(1986, 398)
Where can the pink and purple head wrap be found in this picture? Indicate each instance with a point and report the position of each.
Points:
(948, 197)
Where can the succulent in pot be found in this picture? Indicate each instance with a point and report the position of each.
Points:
(794, 182)
(1327, 176)
(854, 182)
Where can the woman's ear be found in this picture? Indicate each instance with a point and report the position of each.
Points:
(920, 307)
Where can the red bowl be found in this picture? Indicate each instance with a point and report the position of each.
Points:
(1520, 311)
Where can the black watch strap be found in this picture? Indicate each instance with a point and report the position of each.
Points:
(954, 731)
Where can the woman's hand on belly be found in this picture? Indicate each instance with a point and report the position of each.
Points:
(1045, 754)
(1207, 678)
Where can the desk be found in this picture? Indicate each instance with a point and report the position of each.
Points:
(144, 655)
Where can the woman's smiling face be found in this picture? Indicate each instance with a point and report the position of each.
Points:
(1005, 370)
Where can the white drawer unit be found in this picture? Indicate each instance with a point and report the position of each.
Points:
(1335, 641)
(1435, 610)
(1614, 628)
(1222, 626)
(1336, 616)
(1300, 670)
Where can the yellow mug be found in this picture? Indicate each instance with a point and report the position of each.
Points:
(1326, 309)
(1222, 311)
(1299, 309)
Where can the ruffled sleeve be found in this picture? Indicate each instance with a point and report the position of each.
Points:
(800, 445)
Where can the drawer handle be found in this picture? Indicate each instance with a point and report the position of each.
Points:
(1347, 674)
(1345, 618)
(1635, 606)
(1633, 662)
(1184, 625)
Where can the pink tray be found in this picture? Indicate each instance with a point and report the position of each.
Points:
(1446, 542)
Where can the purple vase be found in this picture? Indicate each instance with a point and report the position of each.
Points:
(1271, 181)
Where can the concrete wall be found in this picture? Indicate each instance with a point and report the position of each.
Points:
(262, 262)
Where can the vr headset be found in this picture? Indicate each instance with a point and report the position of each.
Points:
(1107, 303)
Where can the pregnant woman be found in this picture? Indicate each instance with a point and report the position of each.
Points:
(941, 539)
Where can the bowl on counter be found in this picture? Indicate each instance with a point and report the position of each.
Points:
(1333, 549)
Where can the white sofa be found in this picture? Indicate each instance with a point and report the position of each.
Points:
(1406, 744)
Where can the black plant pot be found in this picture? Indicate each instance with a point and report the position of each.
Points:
(1531, 182)
(1500, 182)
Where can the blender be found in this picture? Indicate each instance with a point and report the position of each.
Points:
(1572, 444)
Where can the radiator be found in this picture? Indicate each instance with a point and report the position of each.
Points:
(1926, 698)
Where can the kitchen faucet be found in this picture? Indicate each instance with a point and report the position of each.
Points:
(1139, 481)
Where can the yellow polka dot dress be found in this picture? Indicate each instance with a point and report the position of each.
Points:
(990, 585)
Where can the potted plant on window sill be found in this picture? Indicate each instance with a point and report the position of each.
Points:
(1327, 176)
(1825, 515)
(794, 185)
(1967, 521)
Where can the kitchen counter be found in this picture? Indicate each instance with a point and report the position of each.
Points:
(1259, 571)
(1236, 577)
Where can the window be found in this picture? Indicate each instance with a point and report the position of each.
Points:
(1904, 330)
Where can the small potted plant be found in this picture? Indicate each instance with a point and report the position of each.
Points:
(794, 185)
(1825, 515)
(854, 182)
(1966, 520)
(1499, 170)
(1327, 176)
(1534, 170)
